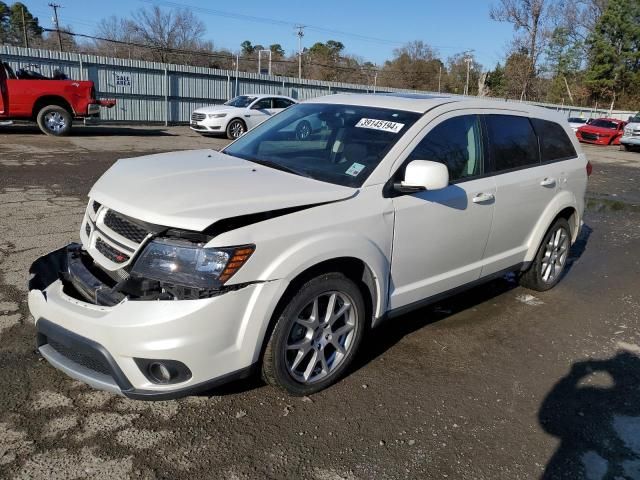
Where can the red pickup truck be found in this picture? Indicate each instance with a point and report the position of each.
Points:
(52, 103)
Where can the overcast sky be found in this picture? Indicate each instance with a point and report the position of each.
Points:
(369, 29)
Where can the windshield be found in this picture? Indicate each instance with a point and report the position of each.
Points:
(604, 124)
(242, 101)
(635, 119)
(339, 144)
(577, 120)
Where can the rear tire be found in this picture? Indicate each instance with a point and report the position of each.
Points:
(315, 338)
(549, 264)
(54, 120)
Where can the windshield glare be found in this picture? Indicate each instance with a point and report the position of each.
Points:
(604, 124)
(242, 101)
(340, 144)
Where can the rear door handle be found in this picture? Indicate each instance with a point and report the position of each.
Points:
(483, 198)
(548, 182)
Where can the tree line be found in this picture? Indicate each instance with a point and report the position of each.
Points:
(580, 52)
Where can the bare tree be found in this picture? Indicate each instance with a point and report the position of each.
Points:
(532, 20)
(167, 31)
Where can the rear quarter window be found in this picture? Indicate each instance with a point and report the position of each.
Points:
(512, 142)
(554, 142)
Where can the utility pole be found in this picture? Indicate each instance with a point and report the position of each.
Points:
(237, 72)
(300, 34)
(55, 7)
(24, 30)
(439, 79)
(467, 59)
(375, 81)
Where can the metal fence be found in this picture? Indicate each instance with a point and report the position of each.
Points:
(150, 92)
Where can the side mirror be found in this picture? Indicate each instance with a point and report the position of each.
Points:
(425, 175)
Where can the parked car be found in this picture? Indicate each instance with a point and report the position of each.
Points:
(602, 131)
(631, 137)
(577, 122)
(277, 254)
(238, 115)
(51, 102)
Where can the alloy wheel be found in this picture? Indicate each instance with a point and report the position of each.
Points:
(321, 337)
(555, 255)
(236, 129)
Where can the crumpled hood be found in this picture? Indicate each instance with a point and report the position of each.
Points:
(194, 189)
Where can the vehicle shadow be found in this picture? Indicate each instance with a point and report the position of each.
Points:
(598, 424)
(91, 131)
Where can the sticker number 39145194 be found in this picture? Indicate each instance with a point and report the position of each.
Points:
(383, 125)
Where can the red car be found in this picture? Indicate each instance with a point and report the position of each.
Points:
(602, 131)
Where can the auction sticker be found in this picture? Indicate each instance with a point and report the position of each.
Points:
(383, 125)
(355, 169)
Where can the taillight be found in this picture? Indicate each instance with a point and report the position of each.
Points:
(589, 169)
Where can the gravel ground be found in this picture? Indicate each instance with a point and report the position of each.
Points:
(498, 382)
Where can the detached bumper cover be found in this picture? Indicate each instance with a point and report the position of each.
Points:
(218, 339)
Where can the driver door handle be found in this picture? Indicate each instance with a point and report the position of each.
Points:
(483, 198)
(548, 182)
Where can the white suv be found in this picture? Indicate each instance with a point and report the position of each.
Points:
(278, 253)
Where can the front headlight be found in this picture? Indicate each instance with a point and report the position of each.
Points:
(217, 115)
(188, 264)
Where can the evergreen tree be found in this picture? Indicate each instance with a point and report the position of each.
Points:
(614, 51)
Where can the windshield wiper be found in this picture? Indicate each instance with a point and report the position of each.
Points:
(278, 166)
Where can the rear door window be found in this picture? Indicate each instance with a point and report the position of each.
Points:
(512, 142)
(554, 142)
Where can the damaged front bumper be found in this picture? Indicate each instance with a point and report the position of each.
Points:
(99, 336)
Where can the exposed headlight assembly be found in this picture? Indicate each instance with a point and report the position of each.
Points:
(190, 265)
(217, 115)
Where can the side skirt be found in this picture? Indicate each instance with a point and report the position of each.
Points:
(396, 312)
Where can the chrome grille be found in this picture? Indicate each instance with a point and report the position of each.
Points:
(113, 254)
(124, 227)
(198, 117)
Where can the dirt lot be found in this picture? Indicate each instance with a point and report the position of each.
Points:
(493, 383)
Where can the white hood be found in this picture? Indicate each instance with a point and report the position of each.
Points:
(216, 109)
(194, 189)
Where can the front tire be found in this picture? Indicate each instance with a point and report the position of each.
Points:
(54, 120)
(236, 129)
(549, 263)
(316, 337)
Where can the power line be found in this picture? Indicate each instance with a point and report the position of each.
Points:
(273, 21)
(229, 57)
